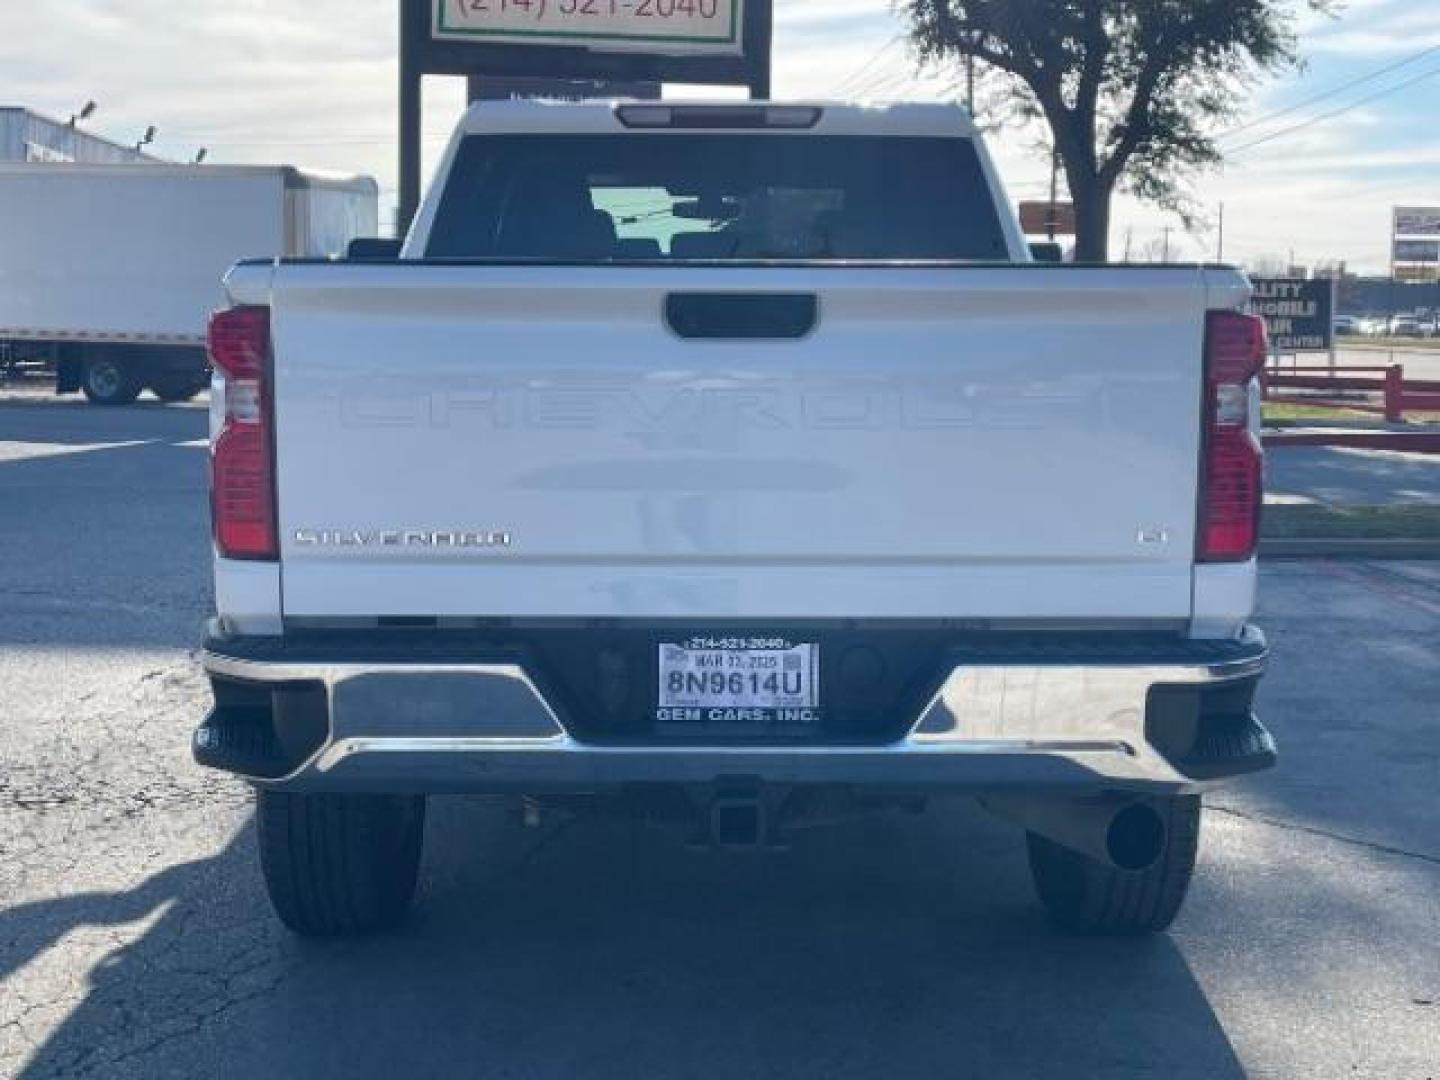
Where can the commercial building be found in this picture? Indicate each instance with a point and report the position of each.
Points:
(29, 136)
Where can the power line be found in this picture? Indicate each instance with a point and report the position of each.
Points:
(839, 89)
(883, 84)
(1332, 114)
(1332, 92)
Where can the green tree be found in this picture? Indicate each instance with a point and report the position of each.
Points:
(1132, 90)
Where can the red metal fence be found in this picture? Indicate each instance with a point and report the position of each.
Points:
(1381, 390)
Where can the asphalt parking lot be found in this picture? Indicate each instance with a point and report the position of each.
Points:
(1344, 476)
(135, 940)
(1419, 361)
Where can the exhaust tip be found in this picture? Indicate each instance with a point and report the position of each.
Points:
(1136, 838)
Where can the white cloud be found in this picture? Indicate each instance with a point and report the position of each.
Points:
(1379, 29)
(315, 83)
(1375, 43)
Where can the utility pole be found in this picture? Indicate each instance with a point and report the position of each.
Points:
(1220, 244)
(970, 85)
(1052, 213)
(410, 120)
(1165, 258)
(1390, 286)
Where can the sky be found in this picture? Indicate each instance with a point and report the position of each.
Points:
(314, 84)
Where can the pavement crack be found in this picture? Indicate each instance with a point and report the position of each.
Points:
(1311, 830)
(206, 1011)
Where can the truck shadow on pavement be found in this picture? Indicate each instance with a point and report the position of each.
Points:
(882, 948)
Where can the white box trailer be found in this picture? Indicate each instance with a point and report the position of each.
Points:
(110, 272)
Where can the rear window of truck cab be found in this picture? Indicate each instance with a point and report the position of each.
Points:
(684, 197)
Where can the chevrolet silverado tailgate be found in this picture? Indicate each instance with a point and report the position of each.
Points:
(949, 442)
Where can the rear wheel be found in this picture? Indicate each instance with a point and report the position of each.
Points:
(107, 381)
(338, 865)
(176, 388)
(1090, 897)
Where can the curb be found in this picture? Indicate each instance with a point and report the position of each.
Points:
(1362, 548)
(1345, 424)
(1414, 442)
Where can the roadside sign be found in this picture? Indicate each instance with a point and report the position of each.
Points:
(1418, 273)
(707, 42)
(1417, 251)
(1417, 221)
(714, 42)
(1299, 312)
(663, 27)
(1047, 218)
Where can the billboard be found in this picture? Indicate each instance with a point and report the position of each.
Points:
(664, 27)
(1417, 251)
(1298, 312)
(1417, 221)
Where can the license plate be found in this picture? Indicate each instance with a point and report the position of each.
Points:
(745, 682)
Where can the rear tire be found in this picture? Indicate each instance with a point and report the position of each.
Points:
(108, 381)
(1090, 897)
(172, 391)
(340, 865)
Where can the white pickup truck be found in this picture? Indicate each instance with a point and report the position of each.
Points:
(732, 464)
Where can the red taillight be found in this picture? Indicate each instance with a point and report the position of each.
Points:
(242, 470)
(1233, 482)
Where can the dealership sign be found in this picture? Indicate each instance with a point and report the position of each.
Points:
(663, 27)
(1417, 251)
(1417, 221)
(1298, 312)
(573, 49)
(1415, 240)
(1418, 273)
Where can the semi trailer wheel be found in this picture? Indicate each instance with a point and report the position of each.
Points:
(107, 381)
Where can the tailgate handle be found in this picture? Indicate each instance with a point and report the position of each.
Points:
(742, 316)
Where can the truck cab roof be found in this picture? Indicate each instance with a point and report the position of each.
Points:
(911, 120)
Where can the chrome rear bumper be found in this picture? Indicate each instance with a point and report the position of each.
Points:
(1174, 723)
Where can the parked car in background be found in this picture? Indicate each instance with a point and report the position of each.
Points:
(1406, 326)
(1346, 325)
(109, 272)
